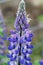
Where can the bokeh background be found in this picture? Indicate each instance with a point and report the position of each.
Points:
(35, 9)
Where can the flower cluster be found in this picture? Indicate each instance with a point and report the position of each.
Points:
(26, 47)
(2, 27)
(21, 18)
(20, 46)
(2, 34)
(13, 47)
(2, 46)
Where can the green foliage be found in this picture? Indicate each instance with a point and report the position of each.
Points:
(1, 32)
(4, 57)
(36, 62)
(4, 64)
(40, 18)
(38, 45)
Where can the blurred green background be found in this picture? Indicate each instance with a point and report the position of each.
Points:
(35, 9)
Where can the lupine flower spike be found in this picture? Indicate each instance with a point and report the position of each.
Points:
(20, 41)
(2, 33)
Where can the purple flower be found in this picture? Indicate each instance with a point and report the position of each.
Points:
(41, 62)
(20, 46)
